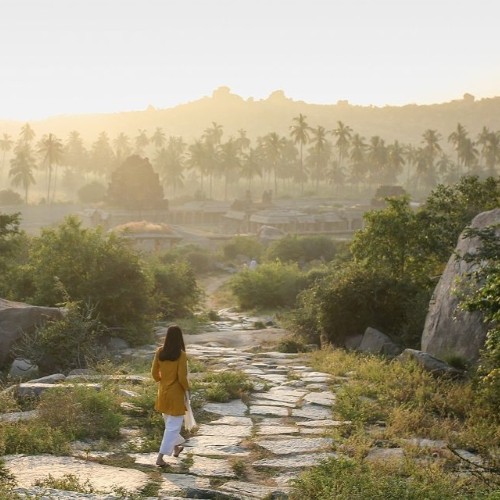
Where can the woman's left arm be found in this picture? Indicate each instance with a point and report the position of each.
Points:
(182, 371)
(155, 368)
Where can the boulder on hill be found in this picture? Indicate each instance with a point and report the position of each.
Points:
(16, 318)
(448, 331)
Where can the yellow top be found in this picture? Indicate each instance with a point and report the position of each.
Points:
(173, 383)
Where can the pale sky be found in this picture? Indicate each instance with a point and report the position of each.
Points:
(93, 56)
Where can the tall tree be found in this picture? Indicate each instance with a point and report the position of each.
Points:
(229, 161)
(299, 131)
(492, 153)
(75, 153)
(141, 141)
(251, 165)
(357, 157)
(457, 138)
(377, 157)
(21, 170)
(395, 162)
(343, 134)
(103, 160)
(212, 137)
(319, 154)
(51, 151)
(27, 134)
(170, 162)
(158, 139)
(6, 143)
(272, 148)
(122, 147)
(196, 159)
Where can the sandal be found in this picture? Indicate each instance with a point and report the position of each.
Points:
(161, 464)
(177, 450)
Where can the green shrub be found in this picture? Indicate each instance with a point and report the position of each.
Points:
(343, 479)
(348, 300)
(223, 386)
(68, 482)
(94, 268)
(291, 345)
(246, 246)
(65, 344)
(31, 438)
(175, 291)
(302, 249)
(81, 412)
(199, 259)
(270, 285)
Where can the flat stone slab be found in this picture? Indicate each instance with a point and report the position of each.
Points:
(270, 402)
(275, 430)
(215, 446)
(224, 430)
(29, 390)
(18, 416)
(233, 421)
(104, 478)
(385, 455)
(293, 462)
(179, 483)
(281, 396)
(320, 398)
(295, 445)
(250, 491)
(323, 423)
(234, 408)
(53, 494)
(278, 411)
(211, 467)
(149, 459)
(274, 378)
(278, 392)
(312, 412)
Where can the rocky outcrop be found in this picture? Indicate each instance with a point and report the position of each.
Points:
(449, 331)
(429, 363)
(375, 342)
(16, 318)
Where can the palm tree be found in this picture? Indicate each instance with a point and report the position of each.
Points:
(492, 152)
(75, 154)
(299, 131)
(158, 139)
(5, 145)
(343, 135)
(51, 150)
(170, 161)
(377, 157)
(251, 165)
(446, 169)
(242, 140)
(141, 141)
(103, 158)
(482, 140)
(27, 134)
(229, 161)
(122, 146)
(357, 156)
(469, 154)
(21, 170)
(272, 148)
(458, 138)
(411, 157)
(319, 154)
(196, 159)
(395, 162)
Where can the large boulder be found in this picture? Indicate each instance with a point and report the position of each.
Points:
(429, 363)
(375, 342)
(16, 318)
(449, 331)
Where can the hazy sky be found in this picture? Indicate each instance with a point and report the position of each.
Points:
(86, 56)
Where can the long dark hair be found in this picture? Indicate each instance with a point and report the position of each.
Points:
(173, 345)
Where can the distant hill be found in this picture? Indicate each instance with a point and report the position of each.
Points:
(274, 114)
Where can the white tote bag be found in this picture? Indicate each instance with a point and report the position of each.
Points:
(189, 421)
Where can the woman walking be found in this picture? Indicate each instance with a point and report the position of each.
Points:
(169, 369)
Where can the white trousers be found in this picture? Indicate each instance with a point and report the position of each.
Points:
(171, 436)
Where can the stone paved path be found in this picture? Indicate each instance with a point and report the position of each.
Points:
(247, 450)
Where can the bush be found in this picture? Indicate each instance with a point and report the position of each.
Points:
(246, 246)
(269, 285)
(94, 268)
(302, 249)
(200, 259)
(223, 386)
(81, 412)
(75, 341)
(93, 192)
(9, 197)
(175, 291)
(351, 480)
(348, 300)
